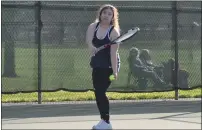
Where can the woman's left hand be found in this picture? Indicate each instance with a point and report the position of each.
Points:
(115, 76)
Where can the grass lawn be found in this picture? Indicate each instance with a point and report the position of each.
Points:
(69, 68)
(82, 96)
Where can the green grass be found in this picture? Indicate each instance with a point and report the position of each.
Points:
(69, 68)
(83, 96)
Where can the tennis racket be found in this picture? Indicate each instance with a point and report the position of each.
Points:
(124, 37)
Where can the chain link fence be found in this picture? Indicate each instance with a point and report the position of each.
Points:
(43, 48)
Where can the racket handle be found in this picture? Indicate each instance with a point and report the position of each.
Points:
(102, 47)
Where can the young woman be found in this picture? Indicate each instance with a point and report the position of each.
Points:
(105, 62)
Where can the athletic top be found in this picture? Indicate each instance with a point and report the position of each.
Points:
(102, 59)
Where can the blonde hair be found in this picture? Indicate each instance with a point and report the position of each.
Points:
(145, 53)
(115, 19)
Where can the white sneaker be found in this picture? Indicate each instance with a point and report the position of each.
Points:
(102, 125)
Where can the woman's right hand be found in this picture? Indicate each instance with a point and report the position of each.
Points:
(93, 50)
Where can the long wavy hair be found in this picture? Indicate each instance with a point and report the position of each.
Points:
(115, 18)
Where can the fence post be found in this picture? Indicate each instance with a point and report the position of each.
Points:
(38, 41)
(175, 40)
(201, 42)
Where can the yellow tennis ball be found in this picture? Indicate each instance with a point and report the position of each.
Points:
(111, 77)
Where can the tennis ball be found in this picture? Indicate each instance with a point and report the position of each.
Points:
(111, 77)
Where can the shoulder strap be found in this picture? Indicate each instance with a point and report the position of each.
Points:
(97, 26)
(110, 30)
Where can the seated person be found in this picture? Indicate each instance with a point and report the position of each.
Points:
(169, 74)
(140, 70)
(146, 59)
(168, 71)
(142, 82)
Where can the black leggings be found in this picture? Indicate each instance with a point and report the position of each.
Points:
(101, 83)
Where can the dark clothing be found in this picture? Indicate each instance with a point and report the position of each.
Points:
(101, 83)
(151, 66)
(169, 74)
(140, 70)
(102, 59)
(102, 69)
(138, 66)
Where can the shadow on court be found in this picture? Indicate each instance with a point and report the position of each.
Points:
(119, 108)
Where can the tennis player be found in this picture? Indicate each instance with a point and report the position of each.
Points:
(105, 62)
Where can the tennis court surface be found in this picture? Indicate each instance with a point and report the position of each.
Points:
(155, 114)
